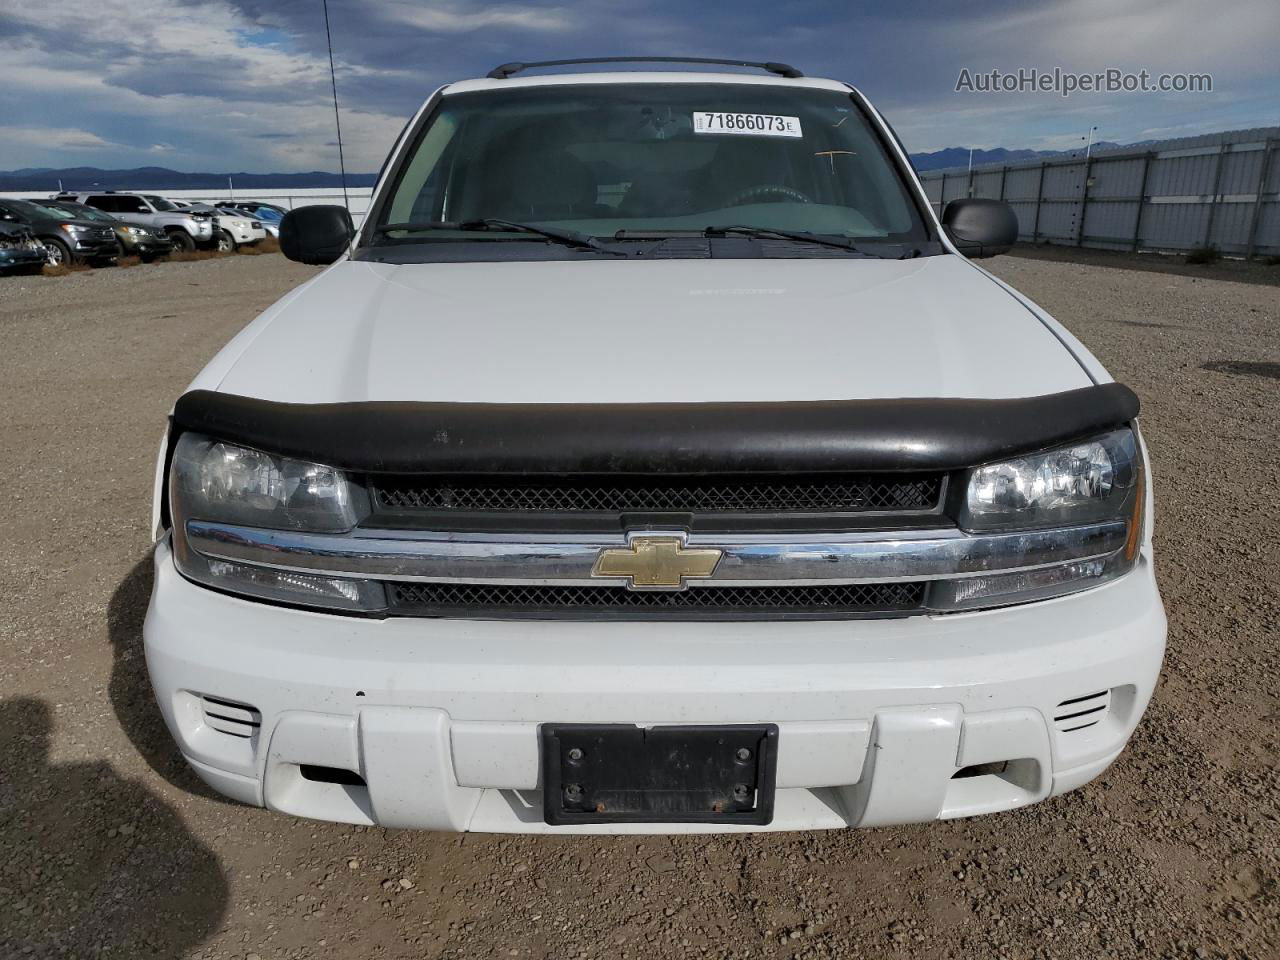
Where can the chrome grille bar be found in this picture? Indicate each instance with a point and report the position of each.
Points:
(748, 560)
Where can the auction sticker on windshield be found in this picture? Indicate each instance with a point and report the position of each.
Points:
(752, 124)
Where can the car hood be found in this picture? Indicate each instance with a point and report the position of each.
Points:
(10, 229)
(617, 331)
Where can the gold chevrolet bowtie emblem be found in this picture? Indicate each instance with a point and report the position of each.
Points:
(656, 563)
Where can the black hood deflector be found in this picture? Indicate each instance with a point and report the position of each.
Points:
(682, 438)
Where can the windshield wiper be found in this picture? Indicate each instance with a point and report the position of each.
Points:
(570, 238)
(798, 236)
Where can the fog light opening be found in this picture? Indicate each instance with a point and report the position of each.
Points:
(319, 774)
(981, 770)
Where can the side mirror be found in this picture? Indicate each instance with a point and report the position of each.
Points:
(316, 235)
(981, 228)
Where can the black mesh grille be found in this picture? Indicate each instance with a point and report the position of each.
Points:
(841, 494)
(476, 599)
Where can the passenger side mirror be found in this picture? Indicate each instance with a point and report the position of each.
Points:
(316, 235)
(981, 228)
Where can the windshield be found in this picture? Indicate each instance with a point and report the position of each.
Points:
(80, 213)
(160, 203)
(645, 157)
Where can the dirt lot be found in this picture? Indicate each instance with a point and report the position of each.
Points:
(109, 848)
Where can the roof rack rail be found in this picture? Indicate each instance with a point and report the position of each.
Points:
(508, 69)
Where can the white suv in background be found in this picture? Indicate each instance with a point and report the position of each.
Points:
(232, 228)
(185, 229)
(652, 459)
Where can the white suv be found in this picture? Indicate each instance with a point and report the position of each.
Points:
(185, 229)
(652, 460)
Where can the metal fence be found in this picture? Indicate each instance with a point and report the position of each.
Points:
(1220, 190)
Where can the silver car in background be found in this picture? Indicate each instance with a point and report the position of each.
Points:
(186, 229)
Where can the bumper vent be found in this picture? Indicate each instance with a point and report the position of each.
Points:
(1079, 713)
(235, 719)
(762, 494)
(724, 603)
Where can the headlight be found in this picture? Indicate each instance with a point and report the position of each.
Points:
(224, 483)
(72, 227)
(1092, 480)
(1097, 481)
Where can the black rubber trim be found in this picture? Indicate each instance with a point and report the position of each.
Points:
(688, 438)
(1082, 713)
(1090, 696)
(1083, 726)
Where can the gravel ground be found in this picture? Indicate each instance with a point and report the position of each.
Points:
(108, 847)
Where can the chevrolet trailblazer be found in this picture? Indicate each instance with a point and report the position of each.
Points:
(652, 459)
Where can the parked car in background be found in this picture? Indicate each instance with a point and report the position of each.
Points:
(232, 228)
(257, 208)
(266, 214)
(66, 239)
(20, 251)
(185, 229)
(269, 213)
(132, 240)
(247, 230)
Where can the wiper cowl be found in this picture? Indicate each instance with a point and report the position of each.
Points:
(798, 236)
(570, 238)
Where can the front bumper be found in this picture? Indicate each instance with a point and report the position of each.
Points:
(14, 259)
(94, 249)
(202, 232)
(144, 246)
(244, 235)
(440, 717)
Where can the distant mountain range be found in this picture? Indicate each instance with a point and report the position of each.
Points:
(959, 156)
(161, 178)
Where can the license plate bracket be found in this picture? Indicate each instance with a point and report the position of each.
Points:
(622, 773)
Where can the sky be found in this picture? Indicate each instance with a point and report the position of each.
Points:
(243, 85)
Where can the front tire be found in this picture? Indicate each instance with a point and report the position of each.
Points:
(181, 241)
(225, 243)
(59, 253)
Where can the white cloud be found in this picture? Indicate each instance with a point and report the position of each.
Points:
(55, 138)
(459, 18)
(188, 81)
(220, 101)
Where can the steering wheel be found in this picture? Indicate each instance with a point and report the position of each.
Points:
(757, 194)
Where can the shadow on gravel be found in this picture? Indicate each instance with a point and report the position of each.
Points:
(91, 863)
(1244, 368)
(130, 688)
(1236, 271)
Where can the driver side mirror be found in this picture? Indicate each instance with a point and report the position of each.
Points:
(316, 235)
(981, 228)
